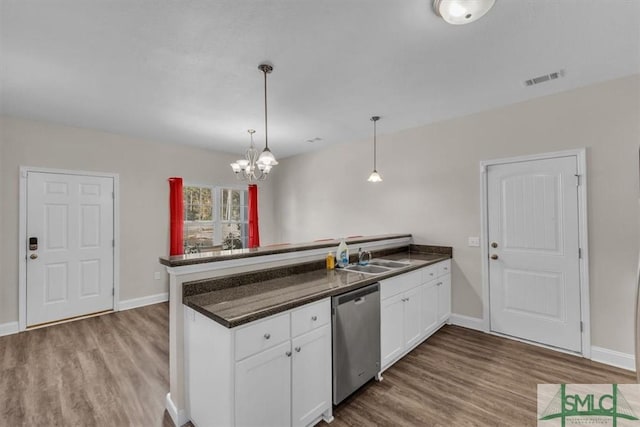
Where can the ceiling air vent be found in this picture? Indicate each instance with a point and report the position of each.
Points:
(544, 78)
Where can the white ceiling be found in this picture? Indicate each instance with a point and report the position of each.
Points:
(186, 71)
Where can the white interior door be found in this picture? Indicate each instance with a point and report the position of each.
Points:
(534, 267)
(70, 272)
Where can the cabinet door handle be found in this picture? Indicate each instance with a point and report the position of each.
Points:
(439, 283)
(288, 353)
(267, 336)
(298, 349)
(314, 318)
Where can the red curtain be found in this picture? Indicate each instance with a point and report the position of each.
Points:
(254, 232)
(176, 212)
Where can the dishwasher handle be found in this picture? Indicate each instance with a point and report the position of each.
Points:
(357, 295)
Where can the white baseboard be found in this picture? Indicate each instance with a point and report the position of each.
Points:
(179, 418)
(9, 328)
(142, 301)
(613, 358)
(467, 322)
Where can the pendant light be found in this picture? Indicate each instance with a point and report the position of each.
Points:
(254, 167)
(267, 159)
(458, 12)
(375, 176)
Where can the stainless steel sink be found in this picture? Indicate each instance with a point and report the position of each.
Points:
(389, 264)
(367, 269)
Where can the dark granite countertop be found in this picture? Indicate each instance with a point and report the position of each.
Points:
(201, 258)
(232, 306)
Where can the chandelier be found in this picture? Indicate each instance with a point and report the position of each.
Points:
(254, 167)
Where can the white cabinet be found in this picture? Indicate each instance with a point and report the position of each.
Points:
(392, 342)
(263, 384)
(412, 330)
(443, 285)
(413, 306)
(430, 319)
(271, 372)
(311, 372)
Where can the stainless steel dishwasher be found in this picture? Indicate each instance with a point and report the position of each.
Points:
(355, 319)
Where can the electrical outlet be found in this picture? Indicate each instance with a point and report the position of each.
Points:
(157, 275)
(474, 242)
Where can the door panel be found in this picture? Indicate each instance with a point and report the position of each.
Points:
(534, 283)
(444, 298)
(71, 272)
(391, 329)
(412, 326)
(429, 315)
(311, 382)
(263, 388)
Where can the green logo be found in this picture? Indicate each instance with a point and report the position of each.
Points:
(581, 406)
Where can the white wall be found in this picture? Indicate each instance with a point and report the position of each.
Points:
(143, 167)
(431, 189)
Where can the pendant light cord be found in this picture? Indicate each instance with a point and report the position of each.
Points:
(375, 149)
(266, 138)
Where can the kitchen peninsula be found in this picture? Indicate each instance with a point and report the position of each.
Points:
(246, 287)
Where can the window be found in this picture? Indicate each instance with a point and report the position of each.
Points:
(214, 218)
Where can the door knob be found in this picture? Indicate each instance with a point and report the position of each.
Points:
(494, 245)
(33, 256)
(494, 256)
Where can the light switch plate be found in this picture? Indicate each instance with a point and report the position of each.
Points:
(157, 275)
(474, 241)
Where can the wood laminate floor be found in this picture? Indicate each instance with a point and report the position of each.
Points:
(461, 377)
(113, 370)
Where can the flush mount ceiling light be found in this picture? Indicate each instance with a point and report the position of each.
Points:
(254, 167)
(375, 176)
(459, 12)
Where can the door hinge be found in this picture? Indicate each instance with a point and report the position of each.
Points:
(113, 291)
(579, 253)
(113, 243)
(581, 326)
(578, 180)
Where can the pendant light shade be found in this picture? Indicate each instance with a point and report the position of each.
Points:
(267, 159)
(458, 12)
(375, 176)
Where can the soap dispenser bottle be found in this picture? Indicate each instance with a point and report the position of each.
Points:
(342, 254)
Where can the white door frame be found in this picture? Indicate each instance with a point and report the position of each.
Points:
(22, 236)
(580, 155)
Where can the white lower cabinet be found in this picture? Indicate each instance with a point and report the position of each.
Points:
(444, 297)
(263, 384)
(311, 371)
(413, 307)
(391, 329)
(271, 372)
(430, 319)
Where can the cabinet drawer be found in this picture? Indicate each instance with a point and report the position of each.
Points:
(261, 335)
(444, 267)
(399, 284)
(310, 316)
(429, 273)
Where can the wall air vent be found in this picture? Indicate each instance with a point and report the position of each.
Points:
(544, 78)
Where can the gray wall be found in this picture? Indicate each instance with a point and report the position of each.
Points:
(431, 189)
(143, 166)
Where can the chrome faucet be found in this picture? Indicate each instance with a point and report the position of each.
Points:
(364, 257)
